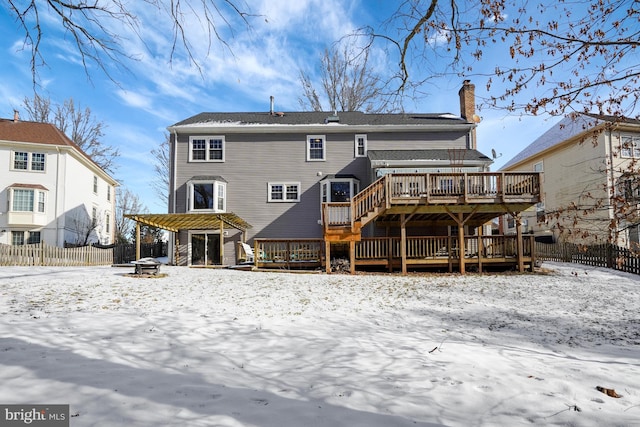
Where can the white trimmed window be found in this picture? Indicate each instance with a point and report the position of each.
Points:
(629, 188)
(17, 238)
(338, 189)
(23, 160)
(20, 160)
(206, 148)
(316, 148)
(630, 146)
(284, 192)
(207, 196)
(37, 161)
(34, 238)
(360, 146)
(28, 200)
(95, 184)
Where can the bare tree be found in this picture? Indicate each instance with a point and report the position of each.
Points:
(126, 203)
(553, 57)
(91, 26)
(348, 81)
(78, 123)
(160, 156)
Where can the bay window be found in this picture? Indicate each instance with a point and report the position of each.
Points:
(207, 195)
(27, 205)
(338, 189)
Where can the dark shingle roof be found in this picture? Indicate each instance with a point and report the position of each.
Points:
(434, 154)
(317, 118)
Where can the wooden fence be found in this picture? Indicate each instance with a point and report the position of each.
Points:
(604, 255)
(42, 254)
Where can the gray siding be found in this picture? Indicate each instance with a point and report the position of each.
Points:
(252, 160)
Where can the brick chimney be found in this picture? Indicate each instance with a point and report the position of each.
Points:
(16, 116)
(467, 100)
(467, 95)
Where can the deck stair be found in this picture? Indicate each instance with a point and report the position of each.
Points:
(343, 222)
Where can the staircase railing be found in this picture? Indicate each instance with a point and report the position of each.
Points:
(369, 199)
(365, 202)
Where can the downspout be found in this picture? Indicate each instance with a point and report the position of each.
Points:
(172, 185)
(175, 171)
(55, 211)
(611, 188)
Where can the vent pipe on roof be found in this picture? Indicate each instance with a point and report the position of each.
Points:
(271, 105)
(16, 116)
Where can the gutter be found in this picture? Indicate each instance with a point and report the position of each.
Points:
(317, 128)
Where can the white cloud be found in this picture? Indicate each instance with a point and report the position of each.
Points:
(133, 99)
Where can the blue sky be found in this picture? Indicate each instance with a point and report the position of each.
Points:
(288, 35)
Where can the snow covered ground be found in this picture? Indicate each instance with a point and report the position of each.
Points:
(203, 347)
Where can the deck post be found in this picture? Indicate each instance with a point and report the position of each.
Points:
(221, 243)
(532, 245)
(327, 256)
(461, 249)
(389, 253)
(137, 240)
(519, 243)
(352, 256)
(403, 243)
(480, 248)
(450, 252)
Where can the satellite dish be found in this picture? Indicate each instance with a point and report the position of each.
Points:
(494, 155)
(476, 118)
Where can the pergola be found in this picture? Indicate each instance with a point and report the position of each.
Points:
(190, 221)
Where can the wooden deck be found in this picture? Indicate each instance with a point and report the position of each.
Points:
(422, 252)
(396, 201)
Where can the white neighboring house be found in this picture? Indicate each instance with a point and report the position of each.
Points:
(51, 191)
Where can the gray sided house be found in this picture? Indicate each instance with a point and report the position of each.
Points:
(305, 178)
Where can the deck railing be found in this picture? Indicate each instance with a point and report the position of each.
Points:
(435, 247)
(419, 249)
(289, 250)
(470, 185)
(481, 187)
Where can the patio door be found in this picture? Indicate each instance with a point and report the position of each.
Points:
(205, 249)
